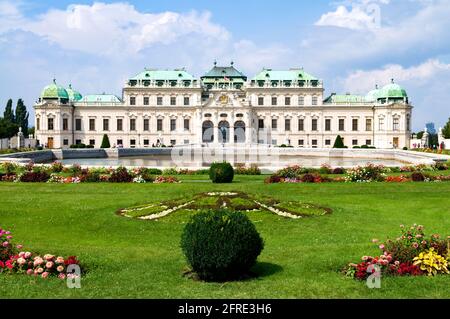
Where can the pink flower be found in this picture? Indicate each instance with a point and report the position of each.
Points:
(9, 237)
(30, 272)
(415, 245)
(21, 261)
(60, 260)
(49, 264)
(48, 257)
(45, 274)
(364, 258)
(27, 255)
(424, 242)
(21, 254)
(381, 246)
(19, 246)
(397, 263)
(38, 261)
(62, 276)
(5, 244)
(60, 268)
(40, 270)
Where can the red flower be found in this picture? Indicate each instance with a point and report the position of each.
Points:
(9, 264)
(71, 260)
(2, 264)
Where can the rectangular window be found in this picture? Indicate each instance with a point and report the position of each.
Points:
(173, 124)
(381, 124)
(274, 142)
(186, 142)
(395, 124)
(173, 100)
(105, 124)
(341, 124)
(354, 124)
(314, 100)
(65, 124)
(132, 143)
(314, 125)
(355, 142)
(91, 124)
(287, 100)
(65, 142)
(173, 142)
(260, 124)
(146, 100)
(328, 125)
(260, 100)
(146, 125)
(78, 124)
(274, 100)
(186, 100)
(119, 143)
(159, 100)
(368, 125)
(77, 142)
(186, 124)
(120, 124)
(287, 124)
(301, 143)
(132, 100)
(301, 100)
(301, 124)
(38, 124)
(92, 142)
(132, 124)
(327, 142)
(50, 124)
(368, 142)
(314, 143)
(146, 143)
(274, 124)
(408, 122)
(159, 125)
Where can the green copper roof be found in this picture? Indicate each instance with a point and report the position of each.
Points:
(54, 91)
(73, 95)
(347, 98)
(222, 72)
(290, 75)
(372, 96)
(100, 98)
(163, 75)
(392, 91)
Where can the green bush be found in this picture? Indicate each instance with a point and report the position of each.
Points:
(338, 143)
(221, 245)
(105, 142)
(221, 172)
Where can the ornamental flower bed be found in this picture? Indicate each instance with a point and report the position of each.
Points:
(412, 253)
(12, 260)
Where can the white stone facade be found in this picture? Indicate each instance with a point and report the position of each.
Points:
(177, 112)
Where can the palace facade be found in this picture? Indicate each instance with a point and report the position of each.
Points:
(161, 107)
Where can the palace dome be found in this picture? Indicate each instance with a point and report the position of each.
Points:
(54, 91)
(392, 91)
(73, 95)
(373, 95)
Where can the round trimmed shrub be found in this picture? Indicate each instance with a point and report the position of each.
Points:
(221, 172)
(417, 177)
(338, 171)
(221, 245)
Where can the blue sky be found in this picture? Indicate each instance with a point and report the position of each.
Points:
(350, 44)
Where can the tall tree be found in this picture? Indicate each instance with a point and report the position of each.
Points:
(105, 142)
(446, 130)
(338, 143)
(7, 128)
(22, 116)
(9, 112)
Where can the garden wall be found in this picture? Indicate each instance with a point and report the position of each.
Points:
(35, 156)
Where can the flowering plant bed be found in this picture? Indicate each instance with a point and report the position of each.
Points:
(13, 260)
(413, 253)
(235, 201)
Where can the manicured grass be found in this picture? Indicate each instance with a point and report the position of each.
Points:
(130, 258)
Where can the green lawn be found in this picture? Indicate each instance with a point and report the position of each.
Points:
(130, 258)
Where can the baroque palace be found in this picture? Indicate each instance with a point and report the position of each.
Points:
(160, 107)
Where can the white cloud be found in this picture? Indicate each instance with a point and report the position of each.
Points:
(355, 19)
(422, 75)
(117, 28)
